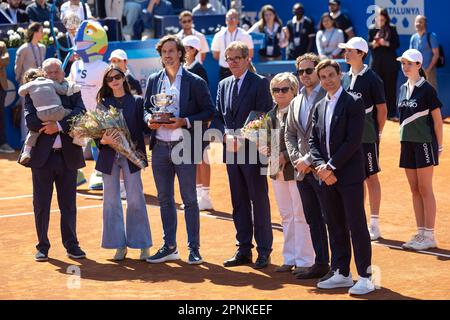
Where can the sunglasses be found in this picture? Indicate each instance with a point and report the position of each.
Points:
(308, 71)
(283, 89)
(186, 21)
(111, 79)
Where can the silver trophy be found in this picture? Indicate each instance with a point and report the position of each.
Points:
(161, 112)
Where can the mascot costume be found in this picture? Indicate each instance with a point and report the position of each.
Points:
(91, 43)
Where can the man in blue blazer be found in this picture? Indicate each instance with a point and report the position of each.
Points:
(55, 159)
(237, 96)
(177, 147)
(336, 150)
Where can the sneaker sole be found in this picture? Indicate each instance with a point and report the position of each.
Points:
(195, 262)
(76, 257)
(360, 293)
(336, 286)
(40, 259)
(171, 257)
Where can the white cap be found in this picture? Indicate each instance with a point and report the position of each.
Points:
(412, 55)
(192, 41)
(356, 43)
(119, 54)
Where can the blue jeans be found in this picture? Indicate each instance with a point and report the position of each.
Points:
(137, 233)
(164, 171)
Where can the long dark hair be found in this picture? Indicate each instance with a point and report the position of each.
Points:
(326, 14)
(32, 29)
(262, 22)
(105, 91)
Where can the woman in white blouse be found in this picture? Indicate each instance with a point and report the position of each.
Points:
(328, 38)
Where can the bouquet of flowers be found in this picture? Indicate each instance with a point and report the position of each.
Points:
(93, 124)
(256, 128)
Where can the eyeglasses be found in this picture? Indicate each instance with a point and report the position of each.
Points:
(278, 90)
(232, 18)
(186, 21)
(308, 71)
(111, 79)
(235, 59)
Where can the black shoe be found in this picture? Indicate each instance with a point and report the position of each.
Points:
(76, 253)
(262, 261)
(195, 257)
(317, 271)
(41, 256)
(238, 259)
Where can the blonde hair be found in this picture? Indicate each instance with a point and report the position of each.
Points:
(285, 76)
(32, 74)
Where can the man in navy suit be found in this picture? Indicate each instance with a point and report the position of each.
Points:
(55, 159)
(11, 13)
(336, 150)
(237, 96)
(174, 149)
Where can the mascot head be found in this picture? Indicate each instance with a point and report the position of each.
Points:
(91, 41)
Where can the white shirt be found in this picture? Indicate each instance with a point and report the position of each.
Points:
(166, 134)
(204, 48)
(307, 104)
(67, 8)
(90, 77)
(224, 37)
(329, 111)
(355, 75)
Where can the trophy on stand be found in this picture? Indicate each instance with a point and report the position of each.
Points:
(161, 102)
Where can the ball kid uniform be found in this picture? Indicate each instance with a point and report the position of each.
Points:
(419, 148)
(368, 86)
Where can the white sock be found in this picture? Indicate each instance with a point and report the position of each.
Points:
(205, 192)
(199, 190)
(429, 233)
(374, 221)
(420, 231)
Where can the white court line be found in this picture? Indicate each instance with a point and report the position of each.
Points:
(217, 218)
(17, 197)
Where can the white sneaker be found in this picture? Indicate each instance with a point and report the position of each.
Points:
(123, 192)
(120, 254)
(423, 243)
(374, 233)
(145, 253)
(363, 286)
(414, 239)
(205, 204)
(336, 281)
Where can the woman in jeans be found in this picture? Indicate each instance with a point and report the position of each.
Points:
(297, 249)
(136, 234)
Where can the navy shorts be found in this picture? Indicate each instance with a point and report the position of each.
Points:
(415, 155)
(371, 158)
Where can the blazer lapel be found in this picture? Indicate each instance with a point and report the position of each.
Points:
(184, 94)
(320, 95)
(297, 114)
(337, 110)
(242, 92)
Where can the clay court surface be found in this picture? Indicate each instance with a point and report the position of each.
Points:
(403, 275)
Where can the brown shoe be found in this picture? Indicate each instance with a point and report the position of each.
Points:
(298, 270)
(284, 268)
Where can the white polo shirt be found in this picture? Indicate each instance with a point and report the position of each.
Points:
(224, 37)
(204, 48)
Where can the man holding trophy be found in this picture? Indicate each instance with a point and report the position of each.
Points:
(174, 100)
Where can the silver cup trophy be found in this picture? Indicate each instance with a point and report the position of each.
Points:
(161, 102)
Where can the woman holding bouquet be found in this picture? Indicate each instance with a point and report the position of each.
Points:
(115, 92)
(297, 249)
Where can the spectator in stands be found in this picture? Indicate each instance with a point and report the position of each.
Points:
(383, 41)
(299, 32)
(203, 8)
(114, 8)
(71, 21)
(132, 12)
(12, 13)
(187, 30)
(328, 38)
(272, 27)
(40, 11)
(119, 58)
(155, 7)
(428, 45)
(76, 7)
(4, 62)
(227, 35)
(343, 22)
(245, 20)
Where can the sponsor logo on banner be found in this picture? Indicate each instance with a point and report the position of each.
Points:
(402, 13)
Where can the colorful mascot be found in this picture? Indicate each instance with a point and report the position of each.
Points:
(91, 43)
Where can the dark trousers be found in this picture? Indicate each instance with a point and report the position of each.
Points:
(2, 116)
(310, 189)
(249, 190)
(345, 216)
(224, 73)
(55, 171)
(389, 77)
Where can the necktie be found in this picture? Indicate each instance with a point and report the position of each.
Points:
(234, 95)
